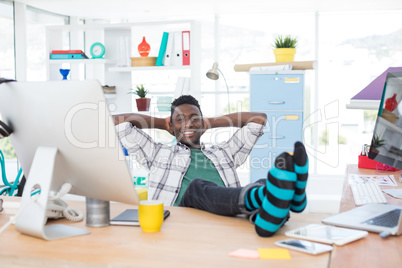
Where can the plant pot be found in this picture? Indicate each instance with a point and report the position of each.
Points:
(143, 104)
(284, 54)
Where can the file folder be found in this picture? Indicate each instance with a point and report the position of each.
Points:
(162, 49)
(167, 60)
(68, 56)
(76, 51)
(177, 49)
(186, 47)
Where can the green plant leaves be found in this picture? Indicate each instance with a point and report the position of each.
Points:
(140, 91)
(285, 42)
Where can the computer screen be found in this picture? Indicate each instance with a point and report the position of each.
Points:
(63, 133)
(386, 144)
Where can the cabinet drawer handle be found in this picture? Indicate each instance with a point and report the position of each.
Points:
(277, 137)
(276, 102)
(291, 117)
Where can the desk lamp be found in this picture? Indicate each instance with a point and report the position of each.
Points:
(213, 74)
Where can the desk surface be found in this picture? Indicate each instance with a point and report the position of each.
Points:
(372, 251)
(189, 237)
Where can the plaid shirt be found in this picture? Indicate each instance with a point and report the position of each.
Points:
(168, 164)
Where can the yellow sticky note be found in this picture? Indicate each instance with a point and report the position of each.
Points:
(274, 254)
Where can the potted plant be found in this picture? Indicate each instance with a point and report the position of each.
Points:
(376, 143)
(285, 48)
(143, 103)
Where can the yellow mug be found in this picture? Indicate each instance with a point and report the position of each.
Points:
(150, 215)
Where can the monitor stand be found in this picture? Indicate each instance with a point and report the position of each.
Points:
(32, 218)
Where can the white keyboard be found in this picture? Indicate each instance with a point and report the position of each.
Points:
(367, 192)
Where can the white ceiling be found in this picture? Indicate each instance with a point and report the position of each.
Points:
(178, 9)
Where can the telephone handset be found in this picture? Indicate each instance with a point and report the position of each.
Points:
(57, 208)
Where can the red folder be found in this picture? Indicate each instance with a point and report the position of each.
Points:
(186, 47)
(67, 52)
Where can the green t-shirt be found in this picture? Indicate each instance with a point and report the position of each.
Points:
(200, 167)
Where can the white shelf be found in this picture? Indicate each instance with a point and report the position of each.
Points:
(85, 61)
(113, 36)
(148, 68)
(363, 104)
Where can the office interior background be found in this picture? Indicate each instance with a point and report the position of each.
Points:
(352, 42)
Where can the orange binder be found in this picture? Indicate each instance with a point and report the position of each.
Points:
(186, 47)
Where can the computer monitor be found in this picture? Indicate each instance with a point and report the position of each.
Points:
(386, 144)
(63, 133)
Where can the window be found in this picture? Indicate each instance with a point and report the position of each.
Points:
(355, 48)
(37, 20)
(7, 63)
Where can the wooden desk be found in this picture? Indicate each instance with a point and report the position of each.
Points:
(372, 251)
(347, 201)
(189, 238)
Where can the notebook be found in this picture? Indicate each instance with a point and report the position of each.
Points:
(130, 217)
(377, 218)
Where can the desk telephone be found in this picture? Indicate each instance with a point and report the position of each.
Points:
(57, 208)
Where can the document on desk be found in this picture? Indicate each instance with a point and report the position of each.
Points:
(382, 180)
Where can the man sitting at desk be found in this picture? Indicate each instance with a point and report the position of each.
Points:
(190, 175)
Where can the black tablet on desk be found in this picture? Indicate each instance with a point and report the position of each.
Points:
(130, 217)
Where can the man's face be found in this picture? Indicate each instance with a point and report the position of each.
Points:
(187, 125)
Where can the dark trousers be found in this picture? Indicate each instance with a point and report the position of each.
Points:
(208, 196)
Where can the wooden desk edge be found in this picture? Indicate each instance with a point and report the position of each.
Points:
(177, 244)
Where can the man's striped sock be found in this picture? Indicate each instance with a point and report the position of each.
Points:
(300, 159)
(278, 193)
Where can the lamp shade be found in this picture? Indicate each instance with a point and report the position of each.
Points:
(213, 73)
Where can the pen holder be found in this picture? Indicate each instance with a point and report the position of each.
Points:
(98, 212)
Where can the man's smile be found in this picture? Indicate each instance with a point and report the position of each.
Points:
(188, 133)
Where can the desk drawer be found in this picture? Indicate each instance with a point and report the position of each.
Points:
(282, 129)
(276, 92)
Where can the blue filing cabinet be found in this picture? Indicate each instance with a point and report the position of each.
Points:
(280, 96)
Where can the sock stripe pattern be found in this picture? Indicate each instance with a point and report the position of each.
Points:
(278, 194)
(299, 201)
(254, 198)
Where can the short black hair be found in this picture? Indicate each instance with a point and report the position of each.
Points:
(184, 99)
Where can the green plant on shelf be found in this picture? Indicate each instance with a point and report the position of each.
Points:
(141, 92)
(285, 42)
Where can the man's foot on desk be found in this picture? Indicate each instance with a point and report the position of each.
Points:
(278, 194)
(284, 190)
(300, 161)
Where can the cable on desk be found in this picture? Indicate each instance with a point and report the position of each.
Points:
(12, 218)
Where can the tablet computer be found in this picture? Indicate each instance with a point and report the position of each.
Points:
(327, 234)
